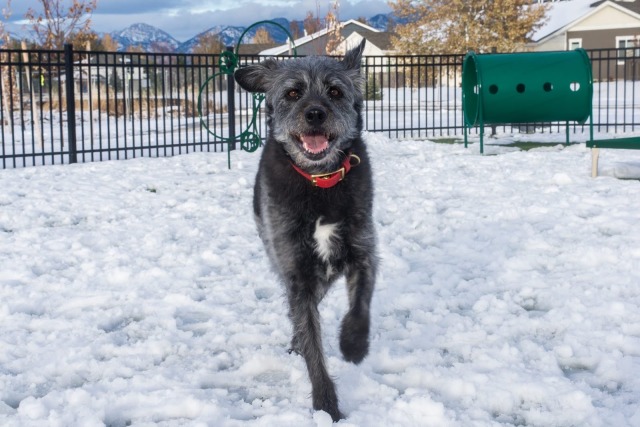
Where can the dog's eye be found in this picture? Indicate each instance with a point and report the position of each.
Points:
(293, 94)
(335, 93)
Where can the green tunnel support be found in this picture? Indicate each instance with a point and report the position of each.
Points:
(526, 88)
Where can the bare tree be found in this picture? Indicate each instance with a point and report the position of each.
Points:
(263, 37)
(108, 44)
(456, 26)
(334, 34)
(294, 30)
(4, 34)
(160, 47)
(55, 24)
(83, 39)
(5, 38)
(209, 43)
(134, 48)
(311, 23)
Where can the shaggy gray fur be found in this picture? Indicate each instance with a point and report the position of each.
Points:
(312, 235)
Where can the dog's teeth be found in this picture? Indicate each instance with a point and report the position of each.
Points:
(314, 143)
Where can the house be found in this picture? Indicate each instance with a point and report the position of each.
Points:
(103, 69)
(351, 32)
(254, 48)
(605, 24)
(378, 43)
(591, 24)
(376, 51)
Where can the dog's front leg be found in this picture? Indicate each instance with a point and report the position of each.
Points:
(354, 332)
(303, 311)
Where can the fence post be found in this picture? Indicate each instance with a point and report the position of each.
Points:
(493, 127)
(71, 102)
(32, 99)
(231, 107)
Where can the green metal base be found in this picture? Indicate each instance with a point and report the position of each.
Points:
(631, 143)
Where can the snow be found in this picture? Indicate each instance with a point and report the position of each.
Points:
(137, 293)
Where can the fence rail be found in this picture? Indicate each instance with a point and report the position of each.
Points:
(66, 106)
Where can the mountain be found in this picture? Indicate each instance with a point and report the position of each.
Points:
(386, 22)
(152, 39)
(381, 21)
(148, 37)
(231, 34)
(228, 35)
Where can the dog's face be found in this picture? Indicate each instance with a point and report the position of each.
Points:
(313, 105)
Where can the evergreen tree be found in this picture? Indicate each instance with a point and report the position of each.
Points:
(373, 90)
(457, 26)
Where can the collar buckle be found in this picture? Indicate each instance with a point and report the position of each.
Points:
(316, 177)
(328, 180)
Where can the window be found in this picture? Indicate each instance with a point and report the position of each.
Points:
(625, 46)
(575, 44)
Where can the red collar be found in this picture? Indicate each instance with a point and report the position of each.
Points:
(328, 180)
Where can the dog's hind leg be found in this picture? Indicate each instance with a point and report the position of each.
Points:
(303, 311)
(354, 332)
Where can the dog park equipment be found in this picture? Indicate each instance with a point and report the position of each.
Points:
(532, 87)
(526, 88)
(630, 143)
(249, 138)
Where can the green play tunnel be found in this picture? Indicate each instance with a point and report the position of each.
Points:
(526, 87)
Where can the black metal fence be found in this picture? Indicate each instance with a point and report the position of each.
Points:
(79, 106)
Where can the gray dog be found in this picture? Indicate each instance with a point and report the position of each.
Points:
(312, 201)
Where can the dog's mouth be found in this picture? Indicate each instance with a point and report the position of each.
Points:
(314, 143)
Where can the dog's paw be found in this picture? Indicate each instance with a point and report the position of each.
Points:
(326, 399)
(354, 338)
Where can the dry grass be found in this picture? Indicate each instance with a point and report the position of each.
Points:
(140, 107)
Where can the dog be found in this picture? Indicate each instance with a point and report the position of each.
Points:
(313, 200)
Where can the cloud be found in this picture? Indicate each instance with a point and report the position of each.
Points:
(184, 19)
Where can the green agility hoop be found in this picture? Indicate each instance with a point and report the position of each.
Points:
(249, 138)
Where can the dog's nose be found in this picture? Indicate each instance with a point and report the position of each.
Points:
(315, 116)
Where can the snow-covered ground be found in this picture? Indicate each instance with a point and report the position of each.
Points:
(137, 293)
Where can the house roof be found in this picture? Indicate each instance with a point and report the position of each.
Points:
(632, 5)
(565, 14)
(253, 48)
(382, 40)
(279, 50)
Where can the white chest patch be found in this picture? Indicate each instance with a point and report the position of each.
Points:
(325, 237)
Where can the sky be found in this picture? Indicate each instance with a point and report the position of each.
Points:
(184, 19)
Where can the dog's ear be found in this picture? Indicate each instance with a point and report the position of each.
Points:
(257, 77)
(353, 58)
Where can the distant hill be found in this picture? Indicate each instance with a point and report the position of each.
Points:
(385, 22)
(150, 38)
(231, 34)
(153, 39)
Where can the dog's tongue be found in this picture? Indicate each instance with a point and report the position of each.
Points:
(314, 143)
